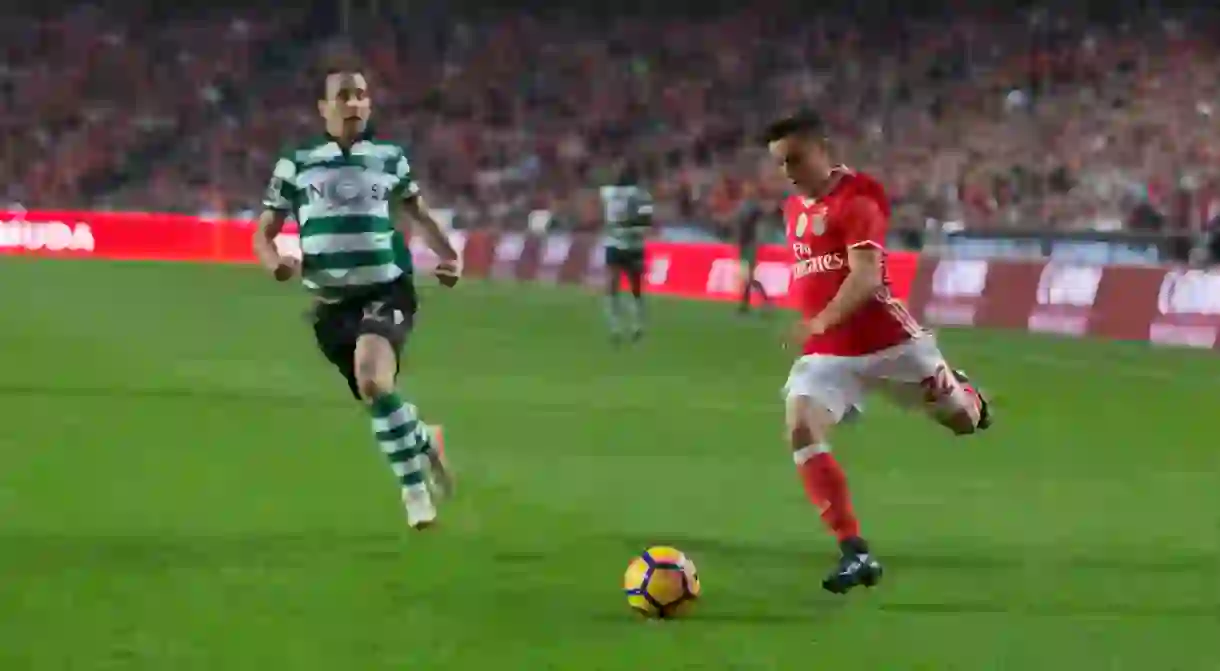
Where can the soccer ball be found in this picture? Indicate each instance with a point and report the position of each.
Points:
(661, 583)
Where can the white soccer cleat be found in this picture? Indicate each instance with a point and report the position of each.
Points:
(421, 512)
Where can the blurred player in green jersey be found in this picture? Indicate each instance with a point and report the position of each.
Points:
(627, 216)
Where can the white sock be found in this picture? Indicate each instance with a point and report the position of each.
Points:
(809, 451)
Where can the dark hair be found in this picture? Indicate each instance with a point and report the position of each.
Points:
(338, 59)
(629, 175)
(808, 124)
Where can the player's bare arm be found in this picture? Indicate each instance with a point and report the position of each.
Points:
(417, 211)
(448, 271)
(862, 283)
(271, 224)
(865, 262)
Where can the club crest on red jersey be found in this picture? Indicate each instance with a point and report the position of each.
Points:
(813, 221)
(817, 222)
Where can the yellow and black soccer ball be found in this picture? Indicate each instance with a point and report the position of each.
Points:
(662, 583)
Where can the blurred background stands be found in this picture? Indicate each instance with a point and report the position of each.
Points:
(985, 119)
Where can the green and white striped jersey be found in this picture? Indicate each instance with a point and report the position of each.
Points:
(627, 212)
(343, 203)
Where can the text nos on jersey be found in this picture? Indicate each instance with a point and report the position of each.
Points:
(347, 190)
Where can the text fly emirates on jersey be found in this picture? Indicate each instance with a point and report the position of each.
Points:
(820, 233)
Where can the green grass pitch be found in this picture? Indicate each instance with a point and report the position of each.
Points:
(184, 485)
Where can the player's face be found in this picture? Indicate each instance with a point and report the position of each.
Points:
(347, 107)
(803, 160)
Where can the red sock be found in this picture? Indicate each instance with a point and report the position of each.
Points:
(826, 486)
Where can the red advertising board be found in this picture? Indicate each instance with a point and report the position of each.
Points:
(713, 271)
(115, 236)
(691, 270)
(1187, 309)
(1172, 306)
(127, 236)
(700, 271)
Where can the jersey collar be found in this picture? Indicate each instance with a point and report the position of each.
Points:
(366, 134)
(837, 174)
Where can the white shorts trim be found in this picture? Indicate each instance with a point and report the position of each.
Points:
(838, 382)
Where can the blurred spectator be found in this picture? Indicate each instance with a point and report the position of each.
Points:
(989, 120)
(1210, 247)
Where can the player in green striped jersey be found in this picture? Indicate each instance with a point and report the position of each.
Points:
(627, 215)
(346, 191)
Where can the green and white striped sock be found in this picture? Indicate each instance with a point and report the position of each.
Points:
(402, 437)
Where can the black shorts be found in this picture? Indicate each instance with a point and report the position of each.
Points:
(630, 261)
(387, 310)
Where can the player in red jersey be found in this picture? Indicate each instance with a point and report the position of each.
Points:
(854, 335)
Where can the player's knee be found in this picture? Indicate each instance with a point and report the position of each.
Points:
(372, 378)
(802, 435)
(807, 424)
(370, 385)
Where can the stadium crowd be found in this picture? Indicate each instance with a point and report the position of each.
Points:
(1028, 121)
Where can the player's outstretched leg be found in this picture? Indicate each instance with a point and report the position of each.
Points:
(635, 309)
(747, 287)
(613, 309)
(396, 424)
(762, 293)
(750, 286)
(826, 487)
(947, 397)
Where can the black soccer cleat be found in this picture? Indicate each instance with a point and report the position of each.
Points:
(984, 407)
(854, 570)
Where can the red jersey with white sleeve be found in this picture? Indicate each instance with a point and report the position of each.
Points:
(853, 213)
